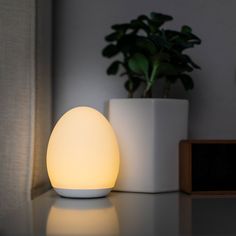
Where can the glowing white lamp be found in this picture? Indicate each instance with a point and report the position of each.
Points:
(83, 154)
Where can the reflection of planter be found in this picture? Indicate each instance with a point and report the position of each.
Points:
(148, 132)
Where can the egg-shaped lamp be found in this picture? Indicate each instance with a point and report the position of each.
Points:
(83, 154)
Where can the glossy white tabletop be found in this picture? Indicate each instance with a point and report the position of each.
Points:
(124, 214)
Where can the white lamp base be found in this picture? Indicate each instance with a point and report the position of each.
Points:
(82, 193)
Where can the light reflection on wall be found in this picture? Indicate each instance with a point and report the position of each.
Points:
(82, 217)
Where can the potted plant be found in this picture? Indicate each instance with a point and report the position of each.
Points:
(149, 130)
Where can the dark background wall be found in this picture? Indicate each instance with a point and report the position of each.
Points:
(79, 69)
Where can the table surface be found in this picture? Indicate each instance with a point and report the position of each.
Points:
(124, 214)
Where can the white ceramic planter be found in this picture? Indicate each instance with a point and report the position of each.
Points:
(148, 132)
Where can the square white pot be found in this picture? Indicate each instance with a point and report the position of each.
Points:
(148, 132)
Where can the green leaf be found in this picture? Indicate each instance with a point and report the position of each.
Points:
(139, 64)
(186, 29)
(120, 27)
(137, 25)
(167, 69)
(161, 57)
(113, 68)
(132, 84)
(143, 18)
(172, 79)
(153, 26)
(159, 19)
(191, 62)
(182, 40)
(190, 38)
(160, 42)
(171, 34)
(187, 81)
(126, 43)
(113, 37)
(110, 51)
(160, 16)
(123, 74)
(146, 45)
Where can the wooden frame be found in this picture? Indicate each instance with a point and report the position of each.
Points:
(185, 165)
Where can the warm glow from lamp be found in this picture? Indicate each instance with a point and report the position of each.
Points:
(83, 154)
(71, 217)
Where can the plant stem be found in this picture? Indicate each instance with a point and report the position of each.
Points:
(130, 94)
(148, 94)
(150, 82)
(166, 91)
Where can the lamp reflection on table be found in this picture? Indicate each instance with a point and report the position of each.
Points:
(124, 214)
(82, 217)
